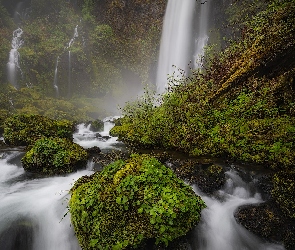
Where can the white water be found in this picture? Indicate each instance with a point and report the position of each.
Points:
(179, 45)
(13, 66)
(32, 209)
(202, 36)
(218, 228)
(55, 84)
(70, 63)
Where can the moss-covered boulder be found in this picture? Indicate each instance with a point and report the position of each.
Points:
(54, 156)
(132, 201)
(23, 130)
(97, 125)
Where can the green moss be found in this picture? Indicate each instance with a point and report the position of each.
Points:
(21, 130)
(54, 156)
(97, 125)
(132, 201)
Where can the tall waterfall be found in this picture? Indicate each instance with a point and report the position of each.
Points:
(13, 66)
(70, 63)
(184, 36)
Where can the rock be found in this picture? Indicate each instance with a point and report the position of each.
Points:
(17, 236)
(93, 150)
(104, 159)
(53, 156)
(135, 200)
(208, 177)
(267, 221)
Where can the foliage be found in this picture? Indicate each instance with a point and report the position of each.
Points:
(130, 202)
(241, 106)
(21, 130)
(97, 125)
(54, 156)
(6, 25)
(32, 101)
(283, 191)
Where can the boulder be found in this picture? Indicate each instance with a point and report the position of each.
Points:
(131, 202)
(52, 156)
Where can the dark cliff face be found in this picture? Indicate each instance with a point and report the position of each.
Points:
(135, 17)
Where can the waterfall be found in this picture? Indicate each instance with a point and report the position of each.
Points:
(14, 56)
(55, 82)
(183, 39)
(70, 76)
(202, 37)
(70, 66)
(55, 86)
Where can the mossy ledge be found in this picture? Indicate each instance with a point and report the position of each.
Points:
(24, 130)
(130, 202)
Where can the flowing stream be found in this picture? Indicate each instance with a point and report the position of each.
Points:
(33, 209)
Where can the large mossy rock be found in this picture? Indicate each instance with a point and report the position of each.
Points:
(132, 201)
(54, 156)
(23, 130)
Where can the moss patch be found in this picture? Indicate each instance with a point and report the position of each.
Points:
(54, 156)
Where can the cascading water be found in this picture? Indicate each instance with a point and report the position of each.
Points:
(70, 66)
(13, 66)
(55, 81)
(202, 37)
(176, 39)
(32, 209)
(183, 39)
(55, 86)
(218, 228)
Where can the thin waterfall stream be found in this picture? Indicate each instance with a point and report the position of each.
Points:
(33, 208)
(13, 66)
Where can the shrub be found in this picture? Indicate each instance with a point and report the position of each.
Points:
(54, 156)
(132, 201)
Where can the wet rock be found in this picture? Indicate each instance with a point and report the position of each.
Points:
(105, 138)
(265, 185)
(98, 135)
(93, 150)
(161, 156)
(18, 236)
(104, 159)
(208, 177)
(267, 221)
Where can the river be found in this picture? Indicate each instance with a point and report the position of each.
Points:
(33, 209)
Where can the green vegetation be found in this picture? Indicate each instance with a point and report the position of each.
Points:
(241, 106)
(54, 156)
(106, 56)
(132, 201)
(31, 101)
(23, 130)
